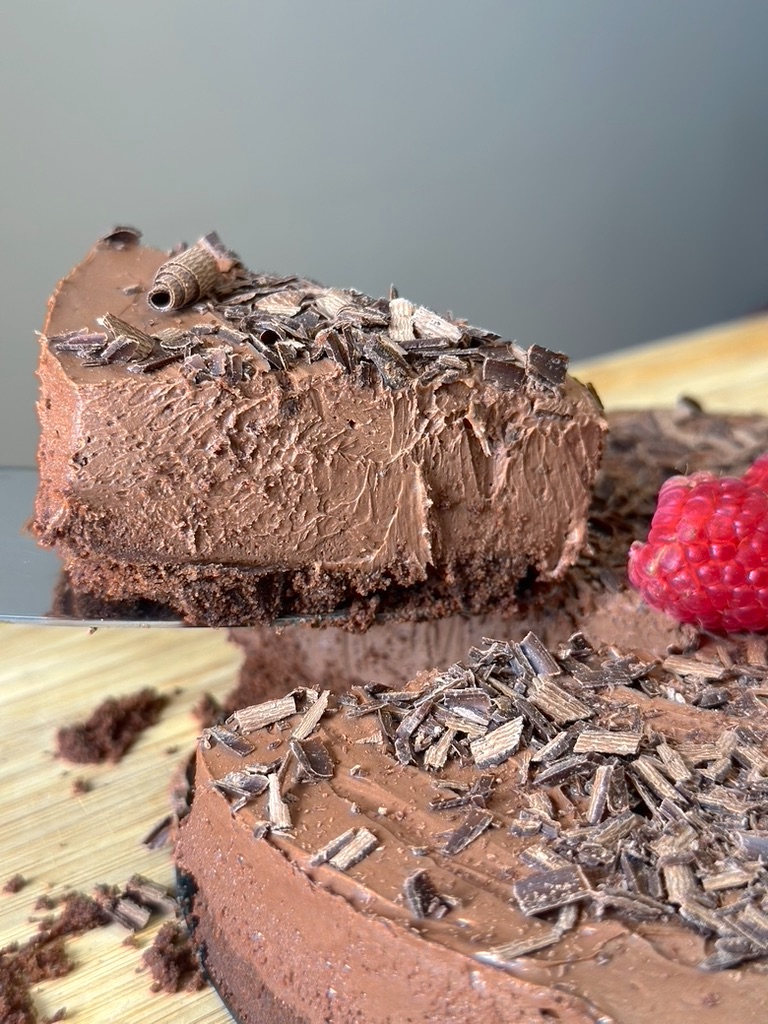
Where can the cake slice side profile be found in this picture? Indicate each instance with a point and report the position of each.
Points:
(279, 448)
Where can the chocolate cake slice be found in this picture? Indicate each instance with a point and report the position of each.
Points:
(238, 446)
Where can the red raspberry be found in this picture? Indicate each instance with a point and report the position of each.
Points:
(706, 557)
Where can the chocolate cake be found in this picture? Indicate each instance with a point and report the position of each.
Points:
(567, 825)
(239, 446)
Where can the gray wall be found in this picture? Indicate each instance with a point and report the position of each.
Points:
(585, 174)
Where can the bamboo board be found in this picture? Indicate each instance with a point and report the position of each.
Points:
(52, 675)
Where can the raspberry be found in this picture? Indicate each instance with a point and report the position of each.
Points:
(706, 557)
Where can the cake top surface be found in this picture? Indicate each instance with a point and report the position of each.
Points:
(197, 310)
(567, 816)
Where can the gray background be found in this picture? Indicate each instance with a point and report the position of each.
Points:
(585, 174)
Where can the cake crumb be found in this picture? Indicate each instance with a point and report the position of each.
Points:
(173, 962)
(43, 957)
(15, 883)
(81, 786)
(111, 729)
(60, 1014)
(207, 710)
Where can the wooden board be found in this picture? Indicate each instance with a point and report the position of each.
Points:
(52, 675)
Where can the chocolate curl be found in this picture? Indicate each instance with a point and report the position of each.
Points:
(188, 276)
(128, 341)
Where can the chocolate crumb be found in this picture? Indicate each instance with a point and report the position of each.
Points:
(80, 786)
(207, 710)
(173, 961)
(111, 729)
(15, 883)
(43, 957)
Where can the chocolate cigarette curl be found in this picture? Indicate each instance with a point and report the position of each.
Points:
(184, 279)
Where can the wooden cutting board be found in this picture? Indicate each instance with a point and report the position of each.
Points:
(58, 674)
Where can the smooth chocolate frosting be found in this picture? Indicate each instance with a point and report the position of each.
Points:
(318, 483)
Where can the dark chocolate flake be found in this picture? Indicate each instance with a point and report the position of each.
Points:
(549, 366)
(232, 740)
(120, 237)
(422, 898)
(475, 823)
(538, 657)
(313, 758)
(394, 370)
(81, 342)
(403, 733)
(356, 849)
(332, 848)
(505, 956)
(497, 746)
(556, 702)
(503, 374)
(548, 890)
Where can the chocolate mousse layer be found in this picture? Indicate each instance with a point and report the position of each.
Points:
(281, 448)
(530, 835)
(643, 449)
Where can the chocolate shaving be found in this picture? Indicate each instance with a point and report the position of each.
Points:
(429, 325)
(549, 367)
(548, 890)
(331, 849)
(422, 898)
(680, 882)
(556, 702)
(563, 769)
(437, 755)
(505, 956)
(128, 342)
(235, 742)
(277, 808)
(257, 716)
(503, 374)
(337, 346)
(607, 741)
(403, 747)
(82, 342)
(312, 716)
(120, 237)
(313, 758)
(361, 842)
(475, 823)
(734, 878)
(393, 369)
(176, 340)
(149, 894)
(497, 746)
(598, 797)
(538, 657)
(128, 913)
(159, 834)
(401, 320)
